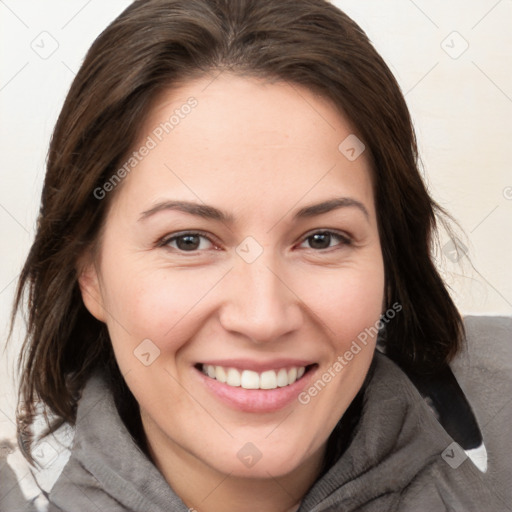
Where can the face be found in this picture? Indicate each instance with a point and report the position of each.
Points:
(239, 262)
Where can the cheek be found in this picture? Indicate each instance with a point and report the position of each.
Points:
(349, 304)
(156, 303)
(347, 301)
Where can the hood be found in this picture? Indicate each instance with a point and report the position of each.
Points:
(396, 445)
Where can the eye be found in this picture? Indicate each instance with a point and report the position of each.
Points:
(325, 240)
(188, 242)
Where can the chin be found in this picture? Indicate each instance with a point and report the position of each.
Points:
(271, 467)
(263, 459)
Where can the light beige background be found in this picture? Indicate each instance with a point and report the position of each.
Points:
(460, 99)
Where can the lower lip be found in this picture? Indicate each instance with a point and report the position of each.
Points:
(256, 400)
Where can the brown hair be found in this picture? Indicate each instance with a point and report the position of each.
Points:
(154, 45)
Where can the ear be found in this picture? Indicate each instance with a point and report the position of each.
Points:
(89, 283)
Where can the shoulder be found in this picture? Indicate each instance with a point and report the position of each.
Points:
(455, 480)
(450, 483)
(19, 488)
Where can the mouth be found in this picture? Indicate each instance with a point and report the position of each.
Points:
(249, 387)
(250, 379)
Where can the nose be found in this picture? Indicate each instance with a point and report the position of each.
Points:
(260, 304)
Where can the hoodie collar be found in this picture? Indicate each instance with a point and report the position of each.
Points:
(394, 423)
(105, 449)
(395, 438)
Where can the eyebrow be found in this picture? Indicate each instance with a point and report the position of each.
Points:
(210, 212)
(331, 204)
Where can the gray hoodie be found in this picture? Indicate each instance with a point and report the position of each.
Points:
(399, 459)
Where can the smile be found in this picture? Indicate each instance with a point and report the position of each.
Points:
(255, 386)
(249, 379)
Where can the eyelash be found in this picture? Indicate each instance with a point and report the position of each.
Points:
(343, 239)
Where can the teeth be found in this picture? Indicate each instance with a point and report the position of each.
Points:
(220, 374)
(233, 378)
(268, 380)
(282, 378)
(248, 379)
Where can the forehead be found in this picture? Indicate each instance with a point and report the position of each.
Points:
(251, 110)
(230, 137)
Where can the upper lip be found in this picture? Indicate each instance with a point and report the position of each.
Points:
(258, 366)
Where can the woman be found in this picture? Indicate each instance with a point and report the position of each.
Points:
(232, 215)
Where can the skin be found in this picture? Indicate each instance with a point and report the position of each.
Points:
(260, 152)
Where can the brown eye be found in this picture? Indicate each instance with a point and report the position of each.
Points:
(188, 242)
(325, 240)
